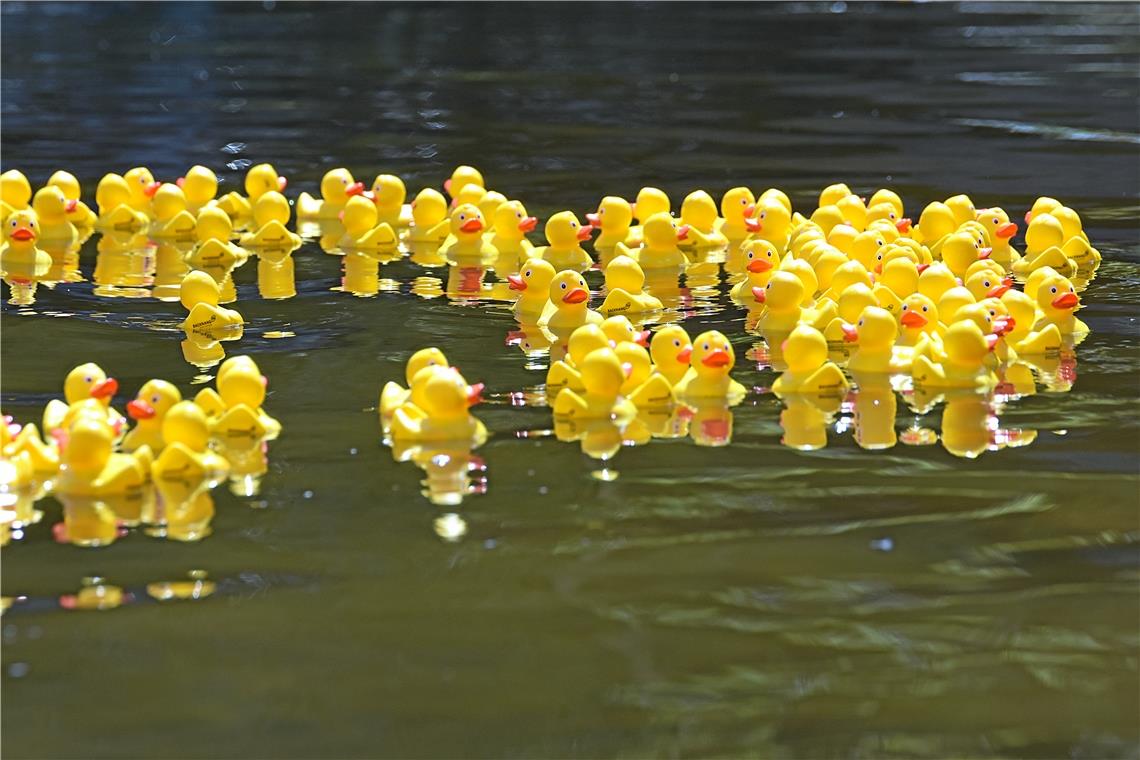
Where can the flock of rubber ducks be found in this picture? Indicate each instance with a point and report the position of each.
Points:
(855, 292)
(158, 469)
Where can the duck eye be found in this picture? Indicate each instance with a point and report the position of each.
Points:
(677, 342)
(905, 307)
(751, 254)
(892, 215)
(996, 220)
(526, 273)
(518, 214)
(706, 346)
(564, 286)
(154, 398)
(1054, 289)
(743, 201)
(860, 323)
(462, 217)
(926, 308)
(89, 379)
(573, 224)
(763, 214)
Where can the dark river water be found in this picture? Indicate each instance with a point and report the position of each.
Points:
(677, 599)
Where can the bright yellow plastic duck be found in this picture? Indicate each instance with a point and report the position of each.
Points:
(468, 245)
(141, 187)
(85, 382)
(15, 192)
(430, 223)
(200, 186)
(737, 209)
(564, 373)
(699, 214)
(614, 218)
(21, 231)
(172, 218)
(155, 398)
(1001, 232)
(671, 349)
(260, 179)
(200, 294)
(533, 285)
(1043, 240)
(712, 360)
(564, 234)
(186, 462)
(363, 230)
(875, 333)
(570, 296)
(809, 371)
(438, 410)
(392, 395)
(966, 349)
(337, 186)
(625, 281)
(270, 215)
(761, 261)
(602, 378)
(89, 466)
(783, 298)
(511, 225)
(51, 207)
(234, 410)
(961, 249)
(389, 193)
(1021, 334)
(660, 248)
(78, 214)
(214, 251)
(775, 221)
(461, 177)
(112, 197)
(1056, 303)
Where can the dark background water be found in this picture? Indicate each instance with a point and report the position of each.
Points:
(744, 600)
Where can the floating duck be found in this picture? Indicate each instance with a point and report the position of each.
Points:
(511, 225)
(1021, 334)
(660, 248)
(1043, 205)
(936, 222)
(614, 218)
(200, 186)
(89, 466)
(200, 294)
(699, 214)
(234, 410)
(51, 207)
(489, 205)
(564, 235)
(570, 297)
(85, 382)
(962, 208)
(270, 215)
(141, 187)
(468, 246)
(260, 179)
(469, 193)
(430, 223)
(845, 275)
(1001, 232)
(1076, 245)
(438, 410)
(1043, 240)
(389, 193)
(172, 218)
(625, 281)
(671, 349)
(650, 201)
(15, 192)
(564, 373)
(959, 250)
(875, 332)
(533, 285)
(392, 395)
(761, 260)
(461, 177)
(40, 457)
(602, 378)
(775, 221)
(918, 321)
(783, 299)
(337, 186)
(21, 231)
(215, 252)
(79, 214)
(809, 371)
(966, 349)
(112, 197)
(186, 462)
(827, 217)
(155, 398)
(712, 360)
(854, 299)
(935, 279)
(1056, 302)
(363, 230)
(618, 329)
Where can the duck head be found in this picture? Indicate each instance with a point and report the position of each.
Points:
(51, 206)
(563, 230)
(713, 355)
(784, 292)
(388, 193)
(854, 211)
(625, 273)
(89, 381)
(962, 208)
(168, 202)
(429, 208)
(337, 186)
(213, 224)
(359, 216)
(15, 190)
(997, 223)
(900, 275)
(827, 217)
(1045, 231)
(774, 219)
(155, 398)
(243, 384)
(876, 330)
(490, 203)
(960, 250)
(198, 287)
(66, 182)
(936, 222)
(662, 232)
(936, 279)
(512, 222)
(952, 301)
(614, 215)
(467, 222)
(568, 290)
(200, 185)
(534, 278)
(671, 348)
(1043, 205)
(141, 186)
(186, 423)
(649, 202)
(271, 207)
(21, 228)
(263, 178)
(425, 357)
(987, 284)
(738, 206)
(111, 192)
(618, 329)
(853, 300)
(90, 442)
(966, 344)
(583, 340)
(461, 177)
(602, 373)
(832, 194)
(918, 313)
(1056, 298)
(805, 349)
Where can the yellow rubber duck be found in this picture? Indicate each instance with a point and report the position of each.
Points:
(1076, 245)
(1043, 205)
(85, 382)
(783, 299)
(867, 249)
(625, 281)
(775, 220)
(363, 230)
(489, 205)
(809, 371)
(660, 248)
(570, 296)
(89, 466)
(699, 214)
(78, 214)
(200, 294)
(671, 349)
(564, 235)
(389, 193)
(1043, 240)
(985, 283)
(172, 218)
(51, 207)
(200, 186)
(936, 222)
(854, 211)
(1021, 334)
(40, 457)
(761, 261)
(952, 301)
(15, 192)
(650, 201)
(392, 395)
(845, 275)
(619, 329)
(260, 179)
(430, 223)
(511, 225)
(962, 208)
(854, 299)
(614, 218)
(186, 462)
(214, 251)
(875, 332)
(1056, 303)
(565, 373)
(112, 197)
(21, 231)
(1001, 232)
(141, 187)
(827, 217)
(960, 250)
(270, 215)
(533, 285)
(438, 410)
(234, 410)
(461, 177)
(653, 391)
(935, 279)
(602, 378)
(712, 360)
(337, 186)
(468, 194)
(966, 349)
(918, 321)
(468, 245)
(148, 409)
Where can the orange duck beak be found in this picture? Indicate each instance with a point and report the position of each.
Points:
(577, 295)
(685, 354)
(356, 188)
(151, 189)
(516, 282)
(718, 358)
(23, 234)
(528, 224)
(1006, 231)
(913, 319)
(282, 183)
(1001, 289)
(903, 225)
(472, 225)
(759, 294)
(475, 394)
(1066, 301)
(850, 333)
(105, 389)
(759, 265)
(584, 232)
(140, 410)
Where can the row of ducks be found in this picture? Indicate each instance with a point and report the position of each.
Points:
(88, 448)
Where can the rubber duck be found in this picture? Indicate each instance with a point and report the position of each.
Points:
(846, 275)
(214, 251)
(41, 458)
(1043, 240)
(966, 349)
(900, 277)
(467, 226)
(511, 225)
(570, 297)
(430, 222)
(809, 371)
(842, 237)
(711, 360)
(952, 301)
(875, 332)
(650, 201)
(1056, 303)
(155, 398)
(613, 218)
(962, 208)
(337, 186)
(78, 214)
(112, 197)
(21, 231)
(854, 299)
(15, 192)
(461, 177)
(638, 368)
(172, 219)
(85, 382)
(1023, 318)
(141, 187)
(761, 260)
(363, 230)
(936, 279)
(260, 179)
(775, 221)
(438, 410)
(389, 193)
(936, 222)
(200, 186)
(564, 373)
(1043, 205)
(960, 250)
(489, 205)
(469, 193)
(200, 294)
(602, 378)
(564, 235)
(699, 213)
(660, 249)
(270, 215)
(783, 299)
(827, 217)
(533, 285)
(51, 209)
(234, 409)
(1076, 245)
(392, 395)
(1001, 232)
(186, 462)
(619, 329)
(671, 349)
(985, 283)
(89, 466)
(625, 281)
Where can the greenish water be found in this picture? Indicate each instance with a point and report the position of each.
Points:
(750, 599)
